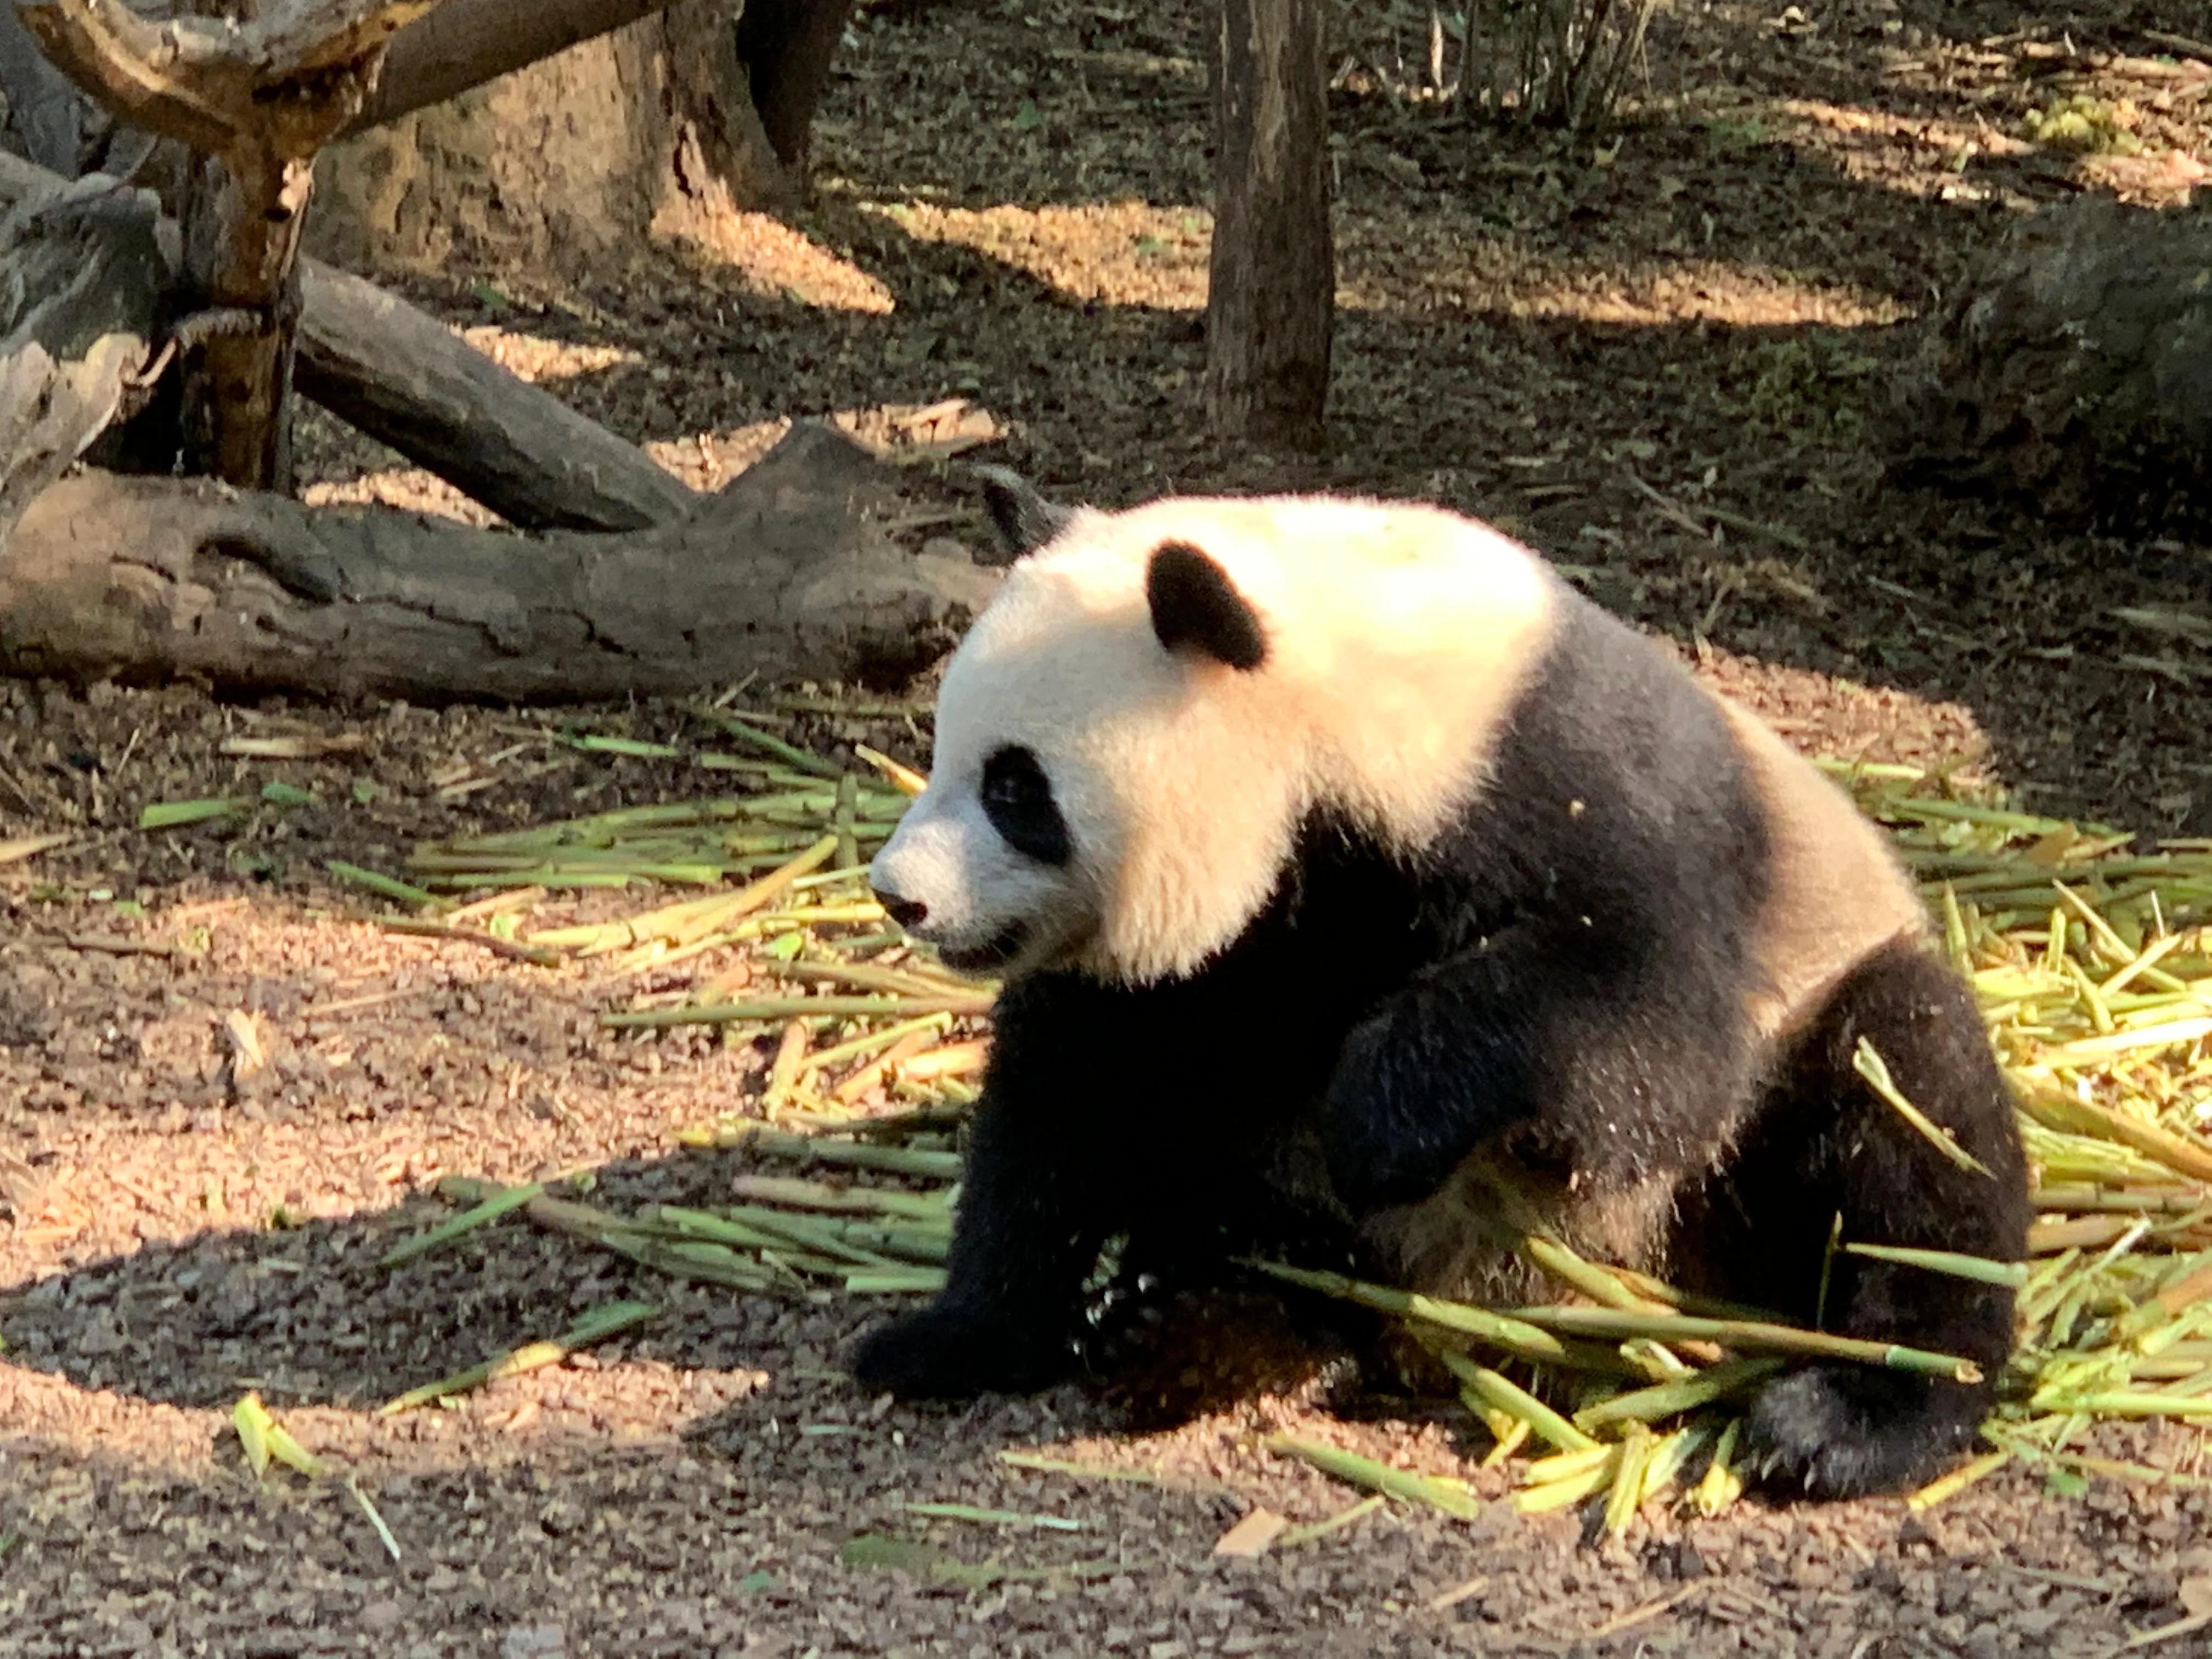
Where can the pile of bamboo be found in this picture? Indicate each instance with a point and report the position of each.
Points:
(2093, 962)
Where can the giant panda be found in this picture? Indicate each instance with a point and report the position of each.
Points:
(1332, 824)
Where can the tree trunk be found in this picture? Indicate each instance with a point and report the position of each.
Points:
(1271, 286)
(566, 167)
(242, 236)
(88, 263)
(255, 100)
(787, 572)
(462, 43)
(785, 47)
(2072, 375)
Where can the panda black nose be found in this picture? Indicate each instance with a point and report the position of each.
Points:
(910, 914)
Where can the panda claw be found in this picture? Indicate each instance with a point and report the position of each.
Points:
(1840, 1431)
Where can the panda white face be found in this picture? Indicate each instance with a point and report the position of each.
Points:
(1089, 802)
(1131, 735)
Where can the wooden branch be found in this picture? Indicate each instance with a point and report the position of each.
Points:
(211, 83)
(407, 380)
(466, 43)
(784, 572)
(404, 379)
(125, 63)
(256, 100)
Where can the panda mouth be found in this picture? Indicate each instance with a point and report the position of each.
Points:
(996, 951)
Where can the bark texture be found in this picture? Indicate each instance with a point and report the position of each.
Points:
(1270, 297)
(567, 167)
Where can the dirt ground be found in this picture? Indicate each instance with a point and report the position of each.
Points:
(1668, 363)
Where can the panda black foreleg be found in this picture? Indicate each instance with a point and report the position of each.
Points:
(1826, 1145)
(1064, 1152)
(1027, 1232)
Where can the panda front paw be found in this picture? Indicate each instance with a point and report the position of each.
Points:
(941, 1353)
(1849, 1430)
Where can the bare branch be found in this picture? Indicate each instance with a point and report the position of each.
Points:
(129, 66)
(289, 81)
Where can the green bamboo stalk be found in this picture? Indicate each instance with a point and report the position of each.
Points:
(858, 1154)
(1721, 1485)
(385, 886)
(1598, 1283)
(895, 1280)
(2128, 1403)
(799, 1192)
(1290, 1537)
(789, 754)
(777, 1008)
(595, 1326)
(1487, 1388)
(1449, 1496)
(810, 1232)
(868, 1042)
(698, 1260)
(1663, 1400)
(1514, 1336)
(2011, 1275)
(867, 977)
(512, 1198)
(1611, 1322)
(1627, 1490)
(1869, 1065)
(969, 1512)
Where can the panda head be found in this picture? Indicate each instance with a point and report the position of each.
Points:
(1132, 734)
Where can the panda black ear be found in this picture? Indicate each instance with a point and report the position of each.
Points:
(1193, 603)
(1024, 519)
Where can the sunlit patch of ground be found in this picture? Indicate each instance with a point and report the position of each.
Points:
(1122, 253)
(534, 358)
(410, 489)
(1502, 277)
(904, 434)
(771, 259)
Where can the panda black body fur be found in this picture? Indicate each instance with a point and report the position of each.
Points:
(1623, 946)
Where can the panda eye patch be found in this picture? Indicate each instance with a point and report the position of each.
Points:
(1016, 797)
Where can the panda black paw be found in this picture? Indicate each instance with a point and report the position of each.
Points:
(941, 1354)
(1848, 1431)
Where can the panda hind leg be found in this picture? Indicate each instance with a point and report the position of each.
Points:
(1825, 1145)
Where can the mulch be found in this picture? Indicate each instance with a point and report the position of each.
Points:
(1668, 364)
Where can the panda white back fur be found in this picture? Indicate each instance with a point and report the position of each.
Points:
(1348, 831)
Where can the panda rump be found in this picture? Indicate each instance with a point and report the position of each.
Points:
(1388, 864)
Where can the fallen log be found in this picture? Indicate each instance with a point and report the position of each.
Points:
(787, 571)
(404, 379)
